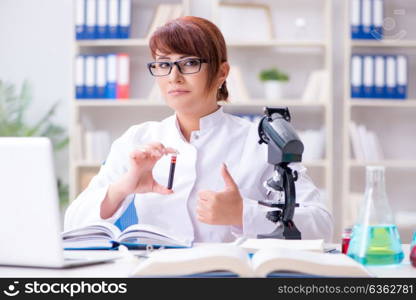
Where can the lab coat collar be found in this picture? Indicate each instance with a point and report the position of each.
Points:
(205, 123)
(211, 120)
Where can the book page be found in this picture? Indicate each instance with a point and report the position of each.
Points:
(201, 259)
(96, 229)
(267, 261)
(253, 245)
(147, 231)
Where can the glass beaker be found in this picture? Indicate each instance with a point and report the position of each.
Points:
(375, 239)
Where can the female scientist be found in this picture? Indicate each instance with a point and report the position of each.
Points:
(220, 167)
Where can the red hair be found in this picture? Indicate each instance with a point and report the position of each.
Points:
(197, 37)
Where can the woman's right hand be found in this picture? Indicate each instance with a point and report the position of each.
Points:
(138, 179)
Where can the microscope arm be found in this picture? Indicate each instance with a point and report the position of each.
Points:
(290, 230)
(290, 193)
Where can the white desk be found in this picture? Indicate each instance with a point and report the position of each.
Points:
(123, 266)
(120, 267)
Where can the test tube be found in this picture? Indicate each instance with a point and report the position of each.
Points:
(171, 171)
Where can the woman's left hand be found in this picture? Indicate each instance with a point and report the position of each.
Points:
(221, 208)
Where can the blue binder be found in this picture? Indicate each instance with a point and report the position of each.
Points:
(355, 11)
(401, 69)
(125, 19)
(379, 76)
(102, 19)
(91, 19)
(90, 77)
(378, 16)
(111, 77)
(113, 19)
(356, 76)
(391, 76)
(80, 77)
(80, 20)
(366, 19)
(100, 77)
(368, 76)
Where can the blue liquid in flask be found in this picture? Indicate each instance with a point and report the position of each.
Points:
(376, 245)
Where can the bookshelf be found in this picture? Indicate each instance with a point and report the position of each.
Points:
(391, 119)
(95, 111)
(315, 53)
(287, 49)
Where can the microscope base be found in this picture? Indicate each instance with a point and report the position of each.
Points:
(283, 232)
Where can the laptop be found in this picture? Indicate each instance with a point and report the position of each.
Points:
(30, 223)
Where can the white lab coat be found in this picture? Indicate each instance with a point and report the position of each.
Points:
(222, 138)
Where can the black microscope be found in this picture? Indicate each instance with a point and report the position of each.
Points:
(284, 147)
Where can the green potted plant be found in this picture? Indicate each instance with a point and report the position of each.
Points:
(272, 81)
(13, 107)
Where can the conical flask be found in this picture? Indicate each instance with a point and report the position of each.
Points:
(375, 239)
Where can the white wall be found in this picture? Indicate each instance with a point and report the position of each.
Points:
(36, 44)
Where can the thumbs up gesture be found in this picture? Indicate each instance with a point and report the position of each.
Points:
(221, 208)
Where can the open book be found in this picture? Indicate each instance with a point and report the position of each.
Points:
(254, 245)
(105, 235)
(265, 262)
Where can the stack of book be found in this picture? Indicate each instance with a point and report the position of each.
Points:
(379, 76)
(103, 19)
(365, 143)
(367, 19)
(103, 76)
(317, 87)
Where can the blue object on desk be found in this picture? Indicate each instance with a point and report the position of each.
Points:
(129, 217)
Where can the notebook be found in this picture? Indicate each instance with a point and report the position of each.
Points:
(105, 235)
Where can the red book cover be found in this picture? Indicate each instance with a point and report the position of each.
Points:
(123, 76)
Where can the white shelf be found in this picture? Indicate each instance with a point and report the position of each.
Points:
(384, 43)
(407, 103)
(117, 103)
(145, 43)
(411, 164)
(113, 43)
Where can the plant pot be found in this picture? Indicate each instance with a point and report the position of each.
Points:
(273, 89)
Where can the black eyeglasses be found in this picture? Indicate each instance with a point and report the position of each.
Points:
(185, 66)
